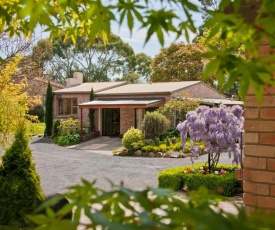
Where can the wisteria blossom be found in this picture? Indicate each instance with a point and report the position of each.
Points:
(218, 128)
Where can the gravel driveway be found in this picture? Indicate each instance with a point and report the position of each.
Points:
(60, 167)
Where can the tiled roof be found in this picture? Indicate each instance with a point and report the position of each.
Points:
(86, 87)
(148, 88)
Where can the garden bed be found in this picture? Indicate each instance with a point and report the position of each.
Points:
(223, 181)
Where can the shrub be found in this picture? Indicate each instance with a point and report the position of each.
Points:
(155, 124)
(170, 133)
(67, 139)
(137, 145)
(192, 178)
(156, 141)
(20, 190)
(69, 126)
(167, 142)
(37, 111)
(56, 124)
(131, 136)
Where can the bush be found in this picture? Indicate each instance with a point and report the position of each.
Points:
(56, 124)
(69, 126)
(20, 190)
(156, 141)
(131, 136)
(191, 178)
(137, 145)
(170, 133)
(155, 124)
(67, 139)
(37, 111)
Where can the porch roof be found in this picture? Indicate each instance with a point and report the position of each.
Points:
(131, 103)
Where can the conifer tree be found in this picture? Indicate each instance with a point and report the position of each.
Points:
(20, 191)
(92, 112)
(49, 111)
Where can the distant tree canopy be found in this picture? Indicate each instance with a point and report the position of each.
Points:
(179, 62)
(58, 58)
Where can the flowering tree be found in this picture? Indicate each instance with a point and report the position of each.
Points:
(218, 127)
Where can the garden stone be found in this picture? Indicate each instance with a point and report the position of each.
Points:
(138, 153)
(166, 155)
(158, 154)
(175, 155)
(151, 154)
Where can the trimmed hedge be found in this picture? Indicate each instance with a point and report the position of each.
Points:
(177, 179)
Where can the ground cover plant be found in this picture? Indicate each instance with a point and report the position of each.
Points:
(223, 181)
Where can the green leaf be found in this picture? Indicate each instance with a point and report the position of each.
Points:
(211, 68)
(244, 86)
(130, 20)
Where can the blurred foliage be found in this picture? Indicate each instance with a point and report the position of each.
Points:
(152, 208)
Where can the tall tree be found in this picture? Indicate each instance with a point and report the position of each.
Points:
(97, 61)
(140, 65)
(11, 47)
(179, 62)
(14, 101)
(92, 112)
(35, 64)
(49, 111)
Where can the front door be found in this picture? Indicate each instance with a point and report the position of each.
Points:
(110, 122)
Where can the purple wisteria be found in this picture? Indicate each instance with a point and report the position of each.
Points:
(218, 128)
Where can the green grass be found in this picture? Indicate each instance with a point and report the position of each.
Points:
(36, 128)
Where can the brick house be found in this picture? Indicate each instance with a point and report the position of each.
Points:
(119, 105)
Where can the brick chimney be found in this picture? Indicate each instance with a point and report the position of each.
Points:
(76, 80)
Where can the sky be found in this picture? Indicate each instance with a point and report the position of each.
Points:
(153, 47)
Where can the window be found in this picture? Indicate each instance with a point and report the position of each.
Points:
(67, 106)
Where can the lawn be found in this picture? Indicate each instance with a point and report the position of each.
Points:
(36, 128)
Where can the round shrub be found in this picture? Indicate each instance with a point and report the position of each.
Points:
(131, 136)
(155, 124)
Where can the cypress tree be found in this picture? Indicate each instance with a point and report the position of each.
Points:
(92, 112)
(20, 191)
(49, 111)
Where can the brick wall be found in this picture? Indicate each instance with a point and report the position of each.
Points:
(259, 151)
(81, 98)
(127, 119)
